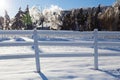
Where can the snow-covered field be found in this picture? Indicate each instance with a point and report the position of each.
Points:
(58, 62)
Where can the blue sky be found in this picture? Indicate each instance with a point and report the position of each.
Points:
(12, 6)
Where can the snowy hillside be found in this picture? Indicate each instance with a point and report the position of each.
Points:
(59, 62)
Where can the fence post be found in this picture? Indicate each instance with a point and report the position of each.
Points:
(35, 36)
(96, 49)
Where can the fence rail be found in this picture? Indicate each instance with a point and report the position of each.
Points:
(93, 35)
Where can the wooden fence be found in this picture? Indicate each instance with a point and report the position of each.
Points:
(93, 36)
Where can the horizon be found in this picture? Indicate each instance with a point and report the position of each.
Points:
(12, 7)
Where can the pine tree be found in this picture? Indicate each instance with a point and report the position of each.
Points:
(27, 19)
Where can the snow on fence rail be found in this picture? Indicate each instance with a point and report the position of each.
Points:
(92, 35)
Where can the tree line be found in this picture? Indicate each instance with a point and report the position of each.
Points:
(105, 18)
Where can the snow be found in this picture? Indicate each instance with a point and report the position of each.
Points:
(58, 62)
(51, 16)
